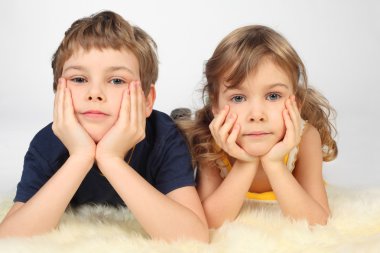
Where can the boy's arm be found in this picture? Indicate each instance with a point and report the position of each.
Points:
(173, 216)
(43, 211)
(177, 215)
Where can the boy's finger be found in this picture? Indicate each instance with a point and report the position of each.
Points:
(60, 99)
(125, 106)
(141, 105)
(133, 104)
(68, 104)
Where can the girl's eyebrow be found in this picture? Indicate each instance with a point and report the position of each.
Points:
(270, 86)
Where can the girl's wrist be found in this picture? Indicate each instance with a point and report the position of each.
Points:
(269, 165)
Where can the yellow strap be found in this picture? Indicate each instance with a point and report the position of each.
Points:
(253, 195)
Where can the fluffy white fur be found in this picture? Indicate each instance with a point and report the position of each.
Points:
(353, 227)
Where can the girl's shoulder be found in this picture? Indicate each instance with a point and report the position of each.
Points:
(310, 134)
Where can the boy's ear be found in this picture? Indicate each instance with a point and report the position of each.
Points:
(149, 100)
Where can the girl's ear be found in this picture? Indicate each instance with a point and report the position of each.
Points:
(149, 100)
(214, 110)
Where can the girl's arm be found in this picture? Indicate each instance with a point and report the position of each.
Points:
(223, 199)
(306, 198)
(302, 195)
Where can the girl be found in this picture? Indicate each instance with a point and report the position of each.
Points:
(263, 133)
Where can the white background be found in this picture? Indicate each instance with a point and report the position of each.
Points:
(338, 41)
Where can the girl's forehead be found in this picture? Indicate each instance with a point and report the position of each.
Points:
(265, 75)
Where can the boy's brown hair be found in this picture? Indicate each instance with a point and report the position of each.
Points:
(108, 30)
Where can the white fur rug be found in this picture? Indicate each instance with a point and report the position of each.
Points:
(354, 227)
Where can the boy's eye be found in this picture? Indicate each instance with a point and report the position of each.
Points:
(273, 96)
(78, 80)
(238, 99)
(117, 81)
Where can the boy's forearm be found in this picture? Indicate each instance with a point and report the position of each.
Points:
(44, 210)
(160, 216)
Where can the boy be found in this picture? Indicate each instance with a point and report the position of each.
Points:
(106, 144)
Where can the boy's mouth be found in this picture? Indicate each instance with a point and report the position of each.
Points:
(94, 114)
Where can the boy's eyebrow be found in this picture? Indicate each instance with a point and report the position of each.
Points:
(110, 69)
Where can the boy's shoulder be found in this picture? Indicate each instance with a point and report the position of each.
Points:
(160, 126)
(47, 144)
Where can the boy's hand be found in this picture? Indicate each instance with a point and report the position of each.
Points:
(292, 136)
(66, 126)
(129, 129)
(225, 131)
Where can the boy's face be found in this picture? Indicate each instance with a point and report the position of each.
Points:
(97, 79)
(258, 103)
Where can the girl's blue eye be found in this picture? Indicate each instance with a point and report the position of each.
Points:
(273, 96)
(117, 81)
(238, 99)
(78, 80)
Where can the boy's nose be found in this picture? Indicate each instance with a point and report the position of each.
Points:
(95, 93)
(96, 98)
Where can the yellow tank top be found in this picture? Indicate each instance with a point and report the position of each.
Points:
(263, 196)
(289, 161)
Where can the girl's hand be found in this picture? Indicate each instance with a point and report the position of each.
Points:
(129, 129)
(66, 126)
(292, 138)
(225, 131)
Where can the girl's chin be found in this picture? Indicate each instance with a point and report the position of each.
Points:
(256, 151)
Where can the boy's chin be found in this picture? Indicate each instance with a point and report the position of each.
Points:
(96, 137)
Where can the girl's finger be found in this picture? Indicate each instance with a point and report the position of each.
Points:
(228, 125)
(231, 139)
(290, 130)
(220, 118)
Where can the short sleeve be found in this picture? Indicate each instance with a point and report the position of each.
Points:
(35, 174)
(173, 163)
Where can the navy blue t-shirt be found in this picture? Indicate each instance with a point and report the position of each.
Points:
(162, 159)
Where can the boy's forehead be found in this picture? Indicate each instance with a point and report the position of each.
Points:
(113, 59)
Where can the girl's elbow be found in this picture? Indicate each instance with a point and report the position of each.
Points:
(322, 219)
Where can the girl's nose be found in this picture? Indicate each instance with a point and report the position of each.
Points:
(257, 113)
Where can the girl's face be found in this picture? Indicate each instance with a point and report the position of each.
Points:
(97, 80)
(258, 103)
